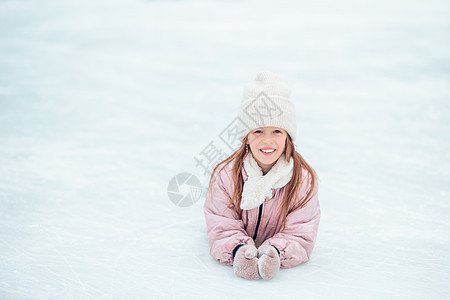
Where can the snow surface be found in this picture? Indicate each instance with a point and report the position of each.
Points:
(103, 102)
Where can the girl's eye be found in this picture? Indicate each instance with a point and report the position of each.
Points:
(257, 131)
(277, 131)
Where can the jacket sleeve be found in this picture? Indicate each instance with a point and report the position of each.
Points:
(296, 241)
(225, 229)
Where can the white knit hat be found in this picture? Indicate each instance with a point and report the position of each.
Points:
(266, 103)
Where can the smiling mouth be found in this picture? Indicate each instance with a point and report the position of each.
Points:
(267, 152)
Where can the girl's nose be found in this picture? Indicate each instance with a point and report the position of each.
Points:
(267, 138)
(267, 143)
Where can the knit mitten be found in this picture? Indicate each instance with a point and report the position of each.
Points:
(269, 261)
(245, 262)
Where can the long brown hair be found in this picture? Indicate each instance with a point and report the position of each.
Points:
(289, 202)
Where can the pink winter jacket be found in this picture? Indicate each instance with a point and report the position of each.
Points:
(226, 230)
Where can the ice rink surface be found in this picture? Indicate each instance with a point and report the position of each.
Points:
(103, 102)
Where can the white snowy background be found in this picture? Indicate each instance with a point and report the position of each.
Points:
(103, 102)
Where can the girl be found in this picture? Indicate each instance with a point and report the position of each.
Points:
(262, 210)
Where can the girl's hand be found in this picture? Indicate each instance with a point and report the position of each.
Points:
(245, 262)
(269, 261)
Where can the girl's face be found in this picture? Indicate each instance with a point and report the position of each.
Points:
(270, 139)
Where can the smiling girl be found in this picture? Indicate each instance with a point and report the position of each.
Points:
(262, 210)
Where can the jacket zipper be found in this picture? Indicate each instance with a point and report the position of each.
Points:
(257, 223)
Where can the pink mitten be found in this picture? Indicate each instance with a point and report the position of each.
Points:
(269, 261)
(245, 263)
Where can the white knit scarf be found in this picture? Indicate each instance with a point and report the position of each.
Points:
(259, 186)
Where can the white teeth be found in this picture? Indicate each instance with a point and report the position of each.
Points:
(267, 151)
